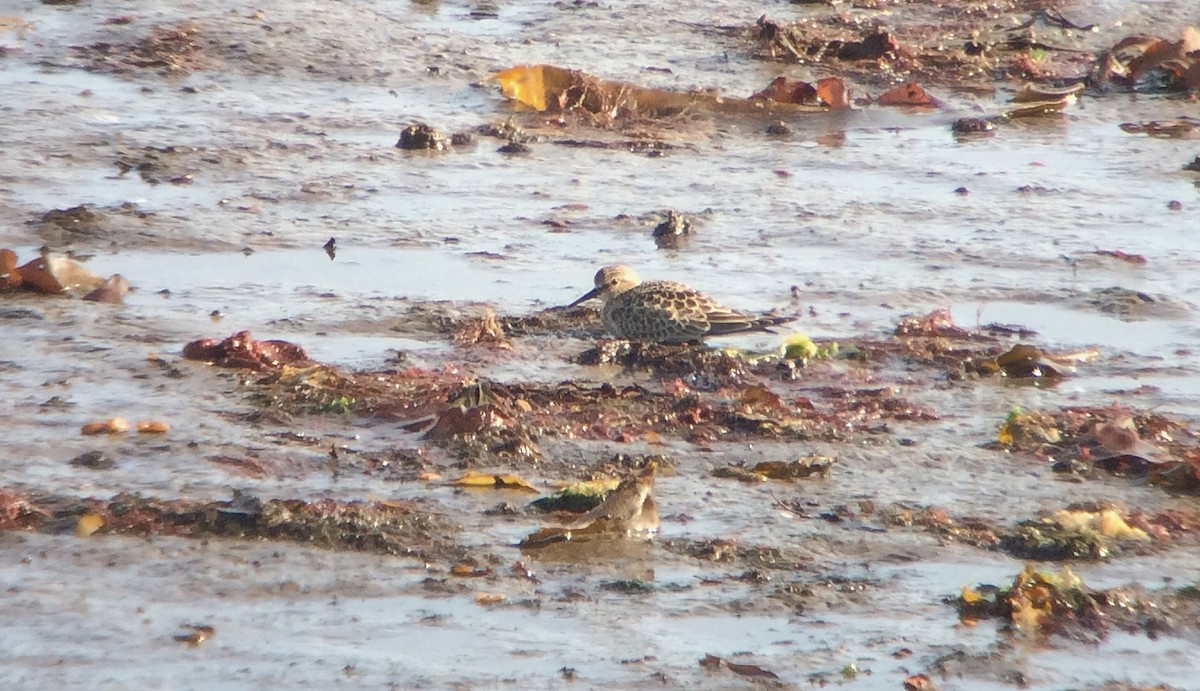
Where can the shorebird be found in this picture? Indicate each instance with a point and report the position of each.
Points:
(628, 511)
(664, 311)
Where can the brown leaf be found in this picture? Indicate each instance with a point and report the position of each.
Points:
(784, 90)
(1038, 92)
(759, 397)
(1126, 465)
(1135, 56)
(908, 94)
(1191, 76)
(242, 465)
(712, 662)
(1182, 476)
(936, 323)
(919, 682)
(468, 571)
(873, 47)
(750, 670)
(1035, 109)
(1131, 455)
(111, 292)
(1178, 128)
(462, 421)
(485, 330)
(1118, 254)
(555, 89)
(1023, 360)
(242, 351)
(806, 466)
(1155, 53)
(545, 536)
(199, 634)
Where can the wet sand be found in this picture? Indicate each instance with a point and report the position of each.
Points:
(220, 179)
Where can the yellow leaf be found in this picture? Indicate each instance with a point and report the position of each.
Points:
(489, 598)
(1112, 525)
(546, 87)
(1025, 616)
(1108, 523)
(88, 524)
(970, 595)
(488, 480)
(1004, 435)
(530, 84)
(1067, 580)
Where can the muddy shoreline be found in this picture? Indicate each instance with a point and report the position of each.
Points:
(994, 364)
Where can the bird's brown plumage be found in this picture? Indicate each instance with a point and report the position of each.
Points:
(665, 311)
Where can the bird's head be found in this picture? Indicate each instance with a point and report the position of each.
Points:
(611, 280)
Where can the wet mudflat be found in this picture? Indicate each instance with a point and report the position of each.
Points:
(997, 366)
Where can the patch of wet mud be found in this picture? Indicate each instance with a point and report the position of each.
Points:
(209, 156)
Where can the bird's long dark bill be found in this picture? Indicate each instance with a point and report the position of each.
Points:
(587, 296)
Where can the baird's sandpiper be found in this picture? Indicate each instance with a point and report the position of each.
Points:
(664, 311)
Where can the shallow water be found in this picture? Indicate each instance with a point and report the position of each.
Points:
(295, 124)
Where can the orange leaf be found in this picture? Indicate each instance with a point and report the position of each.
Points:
(468, 571)
(115, 425)
(832, 92)
(10, 277)
(35, 275)
(489, 598)
(152, 427)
